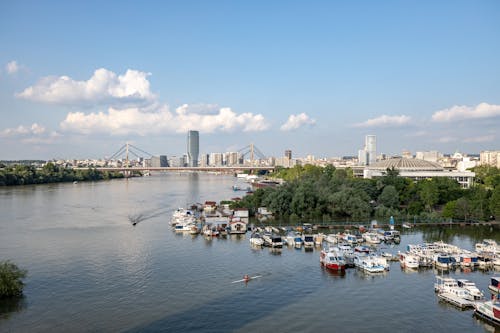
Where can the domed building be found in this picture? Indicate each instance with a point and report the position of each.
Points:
(417, 169)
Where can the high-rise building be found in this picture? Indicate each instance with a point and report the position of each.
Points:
(159, 161)
(492, 158)
(371, 148)
(362, 157)
(288, 154)
(193, 148)
(431, 156)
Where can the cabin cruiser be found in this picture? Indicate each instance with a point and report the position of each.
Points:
(489, 310)
(495, 285)
(392, 235)
(332, 238)
(272, 240)
(450, 286)
(371, 237)
(256, 239)
(444, 261)
(332, 259)
(370, 264)
(182, 215)
(408, 260)
(471, 287)
(308, 241)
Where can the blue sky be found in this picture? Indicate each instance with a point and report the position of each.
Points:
(78, 79)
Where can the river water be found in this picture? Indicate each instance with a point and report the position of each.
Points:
(89, 269)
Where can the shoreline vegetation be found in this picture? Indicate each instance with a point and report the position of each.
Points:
(11, 284)
(50, 173)
(325, 193)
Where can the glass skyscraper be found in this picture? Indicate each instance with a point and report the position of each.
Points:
(193, 148)
(371, 149)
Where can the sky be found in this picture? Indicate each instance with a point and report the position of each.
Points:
(78, 79)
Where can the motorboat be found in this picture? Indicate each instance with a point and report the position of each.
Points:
(256, 239)
(272, 240)
(392, 235)
(468, 260)
(210, 230)
(371, 237)
(408, 260)
(447, 285)
(489, 310)
(308, 241)
(350, 238)
(495, 285)
(318, 239)
(443, 260)
(471, 287)
(332, 238)
(181, 215)
(362, 248)
(369, 264)
(487, 245)
(332, 259)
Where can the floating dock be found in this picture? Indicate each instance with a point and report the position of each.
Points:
(457, 301)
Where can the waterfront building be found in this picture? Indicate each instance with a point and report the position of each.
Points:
(491, 158)
(417, 169)
(159, 161)
(231, 158)
(204, 160)
(193, 148)
(216, 159)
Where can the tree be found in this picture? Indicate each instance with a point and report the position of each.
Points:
(389, 197)
(495, 202)
(428, 192)
(11, 284)
(462, 208)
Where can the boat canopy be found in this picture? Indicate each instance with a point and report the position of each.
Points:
(495, 281)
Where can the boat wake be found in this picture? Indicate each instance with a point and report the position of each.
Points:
(143, 216)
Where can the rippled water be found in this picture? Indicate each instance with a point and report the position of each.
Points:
(91, 270)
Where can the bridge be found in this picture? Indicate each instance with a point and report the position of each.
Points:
(222, 169)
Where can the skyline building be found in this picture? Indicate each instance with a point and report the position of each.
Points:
(193, 148)
(288, 154)
(371, 149)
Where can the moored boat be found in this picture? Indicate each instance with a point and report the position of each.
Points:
(471, 287)
(332, 259)
(489, 310)
(256, 239)
(495, 285)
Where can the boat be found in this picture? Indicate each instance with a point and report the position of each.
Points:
(487, 245)
(443, 261)
(369, 264)
(210, 230)
(181, 215)
(471, 287)
(406, 225)
(318, 239)
(362, 248)
(332, 238)
(468, 260)
(332, 259)
(495, 285)
(408, 260)
(371, 237)
(347, 253)
(392, 235)
(350, 238)
(194, 230)
(450, 286)
(256, 239)
(308, 241)
(272, 240)
(489, 310)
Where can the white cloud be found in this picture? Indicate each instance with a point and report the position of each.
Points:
(296, 121)
(12, 67)
(482, 110)
(104, 87)
(478, 139)
(385, 121)
(30, 134)
(141, 122)
(447, 139)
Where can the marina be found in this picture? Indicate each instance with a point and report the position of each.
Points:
(86, 263)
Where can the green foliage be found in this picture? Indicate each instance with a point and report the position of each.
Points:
(429, 193)
(50, 173)
(11, 284)
(389, 197)
(495, 202)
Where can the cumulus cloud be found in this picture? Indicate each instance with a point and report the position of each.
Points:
(482, 110)
(140, 122)
(30, 134)
(104, 87)
(12, 67)
(385, 121)
(296, 121)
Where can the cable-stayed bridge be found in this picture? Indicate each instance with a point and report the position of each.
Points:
(126, 159)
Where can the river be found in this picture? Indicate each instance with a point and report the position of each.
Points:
(89, 269)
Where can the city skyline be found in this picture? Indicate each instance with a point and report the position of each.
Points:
(77, 80)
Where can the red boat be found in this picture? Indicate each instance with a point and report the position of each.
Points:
(332, 259)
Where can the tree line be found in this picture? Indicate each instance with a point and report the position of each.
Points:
(317, 193)
(50, 173)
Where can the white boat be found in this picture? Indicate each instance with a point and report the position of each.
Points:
(443, 261)
(349, 238)
(210, 230)
(406, 226)
(347, 253)
(332, 259)
(449, 286)
(184, 226)
(182, 215)
(308, 240)
(489, 310)
(318, 239)
(495, 285)
(272, 240)
(487, 245)
(471, 287)
(369, 264)
(256, 239)
(371, 237)
(392, 235)
(332, 238)
(408, 260)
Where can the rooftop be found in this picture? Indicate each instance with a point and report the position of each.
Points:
(406, 164)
